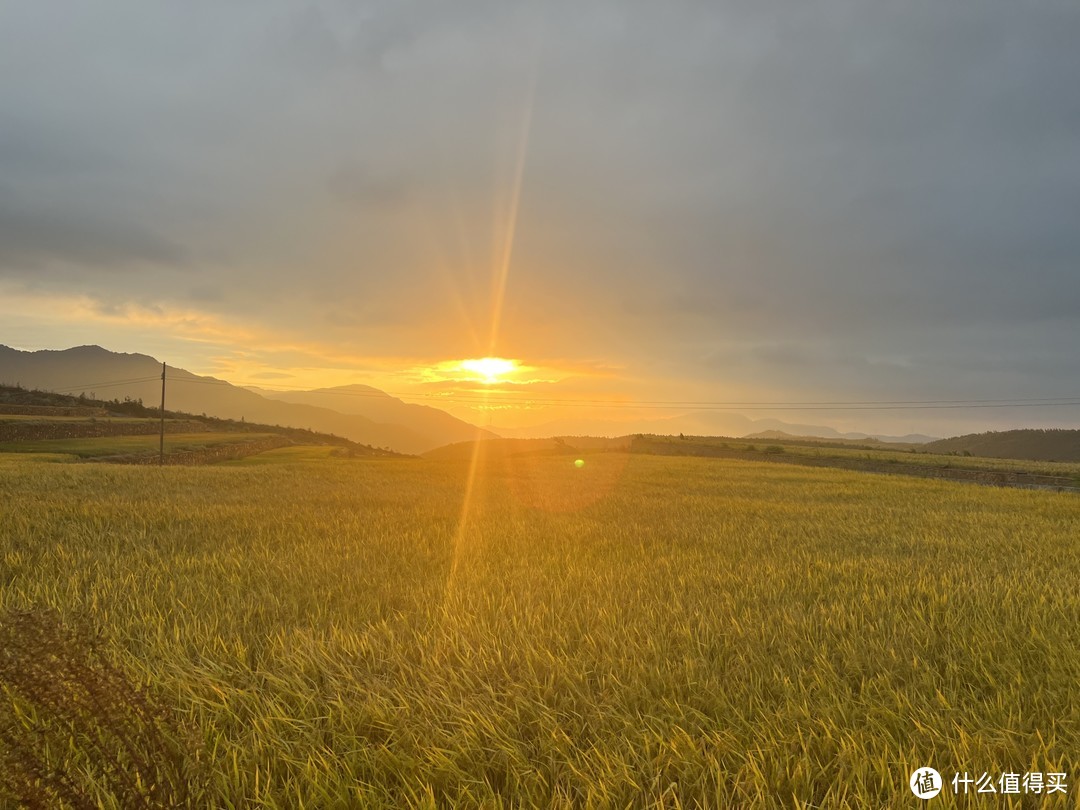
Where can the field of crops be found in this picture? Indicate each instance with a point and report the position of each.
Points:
(640, 631)
(810, 450)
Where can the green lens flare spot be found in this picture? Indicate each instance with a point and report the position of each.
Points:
(579, 463)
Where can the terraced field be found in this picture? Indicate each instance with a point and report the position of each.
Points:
(128, 446)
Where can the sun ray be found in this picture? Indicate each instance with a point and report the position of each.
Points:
(463, 520)
(501, 273)
(500, 277)
(502, 265)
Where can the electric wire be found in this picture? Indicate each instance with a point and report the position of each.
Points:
(510, 398)
(503, 397)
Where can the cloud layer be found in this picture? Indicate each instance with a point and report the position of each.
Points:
(844, 197)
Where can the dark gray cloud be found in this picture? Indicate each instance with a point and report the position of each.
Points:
(865, 193)
(34, 237)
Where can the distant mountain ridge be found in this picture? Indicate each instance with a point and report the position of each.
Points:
(363, 400)
(94, 370)
(734, 425)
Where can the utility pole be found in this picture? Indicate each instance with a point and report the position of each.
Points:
(161, 447)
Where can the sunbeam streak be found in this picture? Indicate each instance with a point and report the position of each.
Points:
(500, 275)
(502, 266)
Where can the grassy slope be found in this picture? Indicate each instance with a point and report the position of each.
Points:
(113, 420)
(128, 445)
(681, 630)
(1046, 445)
(689, 445)
(285, 455)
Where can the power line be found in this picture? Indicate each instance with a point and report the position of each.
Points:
(112, 384)
(508, 398)
(483, 396)
(161, 446)
(504, 397)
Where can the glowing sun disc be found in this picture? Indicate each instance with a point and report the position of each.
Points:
(489, 368)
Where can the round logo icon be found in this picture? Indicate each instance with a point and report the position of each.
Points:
(925, 783)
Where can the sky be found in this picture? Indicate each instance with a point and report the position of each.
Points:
(641, 203)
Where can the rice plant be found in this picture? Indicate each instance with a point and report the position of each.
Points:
(632, 632)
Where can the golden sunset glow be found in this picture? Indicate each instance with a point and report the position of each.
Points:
(491, 370)
(363, 443)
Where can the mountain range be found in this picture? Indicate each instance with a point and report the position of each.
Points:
(357, 412)
(698, 423)
(362, 414)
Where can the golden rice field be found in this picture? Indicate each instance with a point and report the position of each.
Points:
(640, 632)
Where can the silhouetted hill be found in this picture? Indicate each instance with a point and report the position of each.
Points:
(1036, 445)
(45, 404)
(363, 400)
(99, 372)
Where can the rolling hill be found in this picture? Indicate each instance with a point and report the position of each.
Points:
(1037, 445)
(98, 372)
(371, 403)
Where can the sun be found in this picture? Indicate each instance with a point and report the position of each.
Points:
(490, 369)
